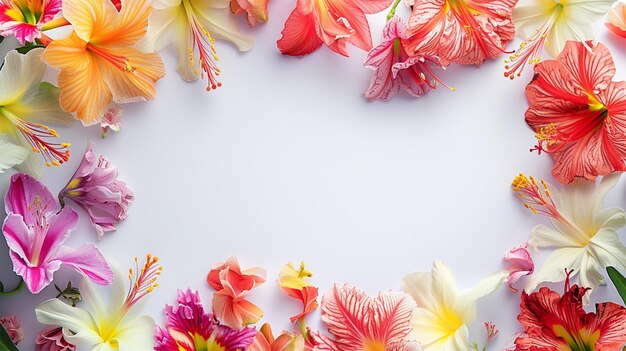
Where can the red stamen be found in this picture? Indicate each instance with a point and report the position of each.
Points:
(142, 280)
(202, 40)
(119, 61)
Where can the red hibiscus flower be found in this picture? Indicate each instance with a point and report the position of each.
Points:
(559, 323)
(332, 22)
(579, 113)
(461, 31)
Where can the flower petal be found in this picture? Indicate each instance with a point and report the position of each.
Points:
(10, 154)
(299, 36)
(553, 269)
(88, 260)
(24, 191)
(19, 74)
(84, 330)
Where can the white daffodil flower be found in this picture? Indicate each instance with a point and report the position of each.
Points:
(583, 238)
(444, 313)
(190, 26)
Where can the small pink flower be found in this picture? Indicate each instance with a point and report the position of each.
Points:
(616, 20)
(36, 229)
(25, 18)
(395, 69)
(256, 9)
(97, 190)
(111, 120)
(233, 286)
(52, 339)
(520, 264)
(13, 327)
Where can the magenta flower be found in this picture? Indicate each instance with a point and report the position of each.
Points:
(95, 187)
(189, 328)
(25, 18)
(13, 327)
(394, 68)
(35, 230)
(52, 339)
(520, 264)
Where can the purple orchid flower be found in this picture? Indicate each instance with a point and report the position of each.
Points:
(35, 231)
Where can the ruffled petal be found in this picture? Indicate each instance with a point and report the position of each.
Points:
(299, 36)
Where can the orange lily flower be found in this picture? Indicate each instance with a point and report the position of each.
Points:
(99, 62)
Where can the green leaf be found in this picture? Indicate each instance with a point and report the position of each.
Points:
(1, 38)
(5, 341)
(24, 49)
(618, 280)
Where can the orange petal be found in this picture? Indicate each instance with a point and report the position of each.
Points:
(89, 17)
(130, 24)
(67, 53)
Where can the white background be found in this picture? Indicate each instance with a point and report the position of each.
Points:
(288, 162)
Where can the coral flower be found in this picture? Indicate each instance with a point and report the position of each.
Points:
(256, 9)
(551, 24)
(265, 341)
(616, 22)
(584, 237)
(233, 286)
(552, 322)
(444, 313)
(25, 18)
(294, 284)
(461, 31)
(359, 322)
(520, 264)
(98, 61)
(116, 327)
(25, 104)
(52, 339)
(95, 187)
(335, 23)
(36, 229)
(189, 328)
(578, 113)
(394, 68)
(190, 25)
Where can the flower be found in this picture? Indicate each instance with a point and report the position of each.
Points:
(190, 25)
(551, 24)
(265, 341)
(112, 120)
(578, 113)
(26, 103)
(115, 327)
(13, 326)
(394, 68)
(293, 283)
(99, 62)
(332, 22)
(461, 31)
(189, 328)
(95, 187)
(35, 231)
(553, 322)
(584, 237)
(52, 339)
(520, 264)
(25, 18)
(10, 154)
(360, 322)
(616, 20)
(444, 313)
(233, 286)
(256, 9)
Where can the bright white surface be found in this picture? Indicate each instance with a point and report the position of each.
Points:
(287, 162)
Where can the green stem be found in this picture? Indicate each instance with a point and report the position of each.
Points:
(19, 287)
(392, 12)
(303, 328)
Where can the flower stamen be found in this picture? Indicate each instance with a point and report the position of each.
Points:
(536, 199)
(207, 54)
(142, 280)
(546, 136)
(119, 61)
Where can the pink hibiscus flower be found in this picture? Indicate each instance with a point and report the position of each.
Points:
(461, 31)
(395, 69)
(25, 18)
(359, 322)
(335, 23)
(579, 113)
(35, 231)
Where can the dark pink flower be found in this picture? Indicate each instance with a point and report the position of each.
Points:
(52, 339)
(395, 69)
(13, 327)
(520, 264)
(36, 229)
(95, 187)
(25, 18)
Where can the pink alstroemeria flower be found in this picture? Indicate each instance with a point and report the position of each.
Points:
(52, 339)
(35, 231)
(95, 187)
(616, 20)
(394, 68)
(466, 32)
(335, 23)
(233, 286)
(189, 328)
(25, 18)
(359, 322)
(520, 264)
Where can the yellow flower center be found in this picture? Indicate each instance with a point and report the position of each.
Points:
(449, 322)
(373, 345)
(26, 11)
(583, 340)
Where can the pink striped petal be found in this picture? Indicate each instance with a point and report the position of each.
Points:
(23, 192)
(88, 260)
